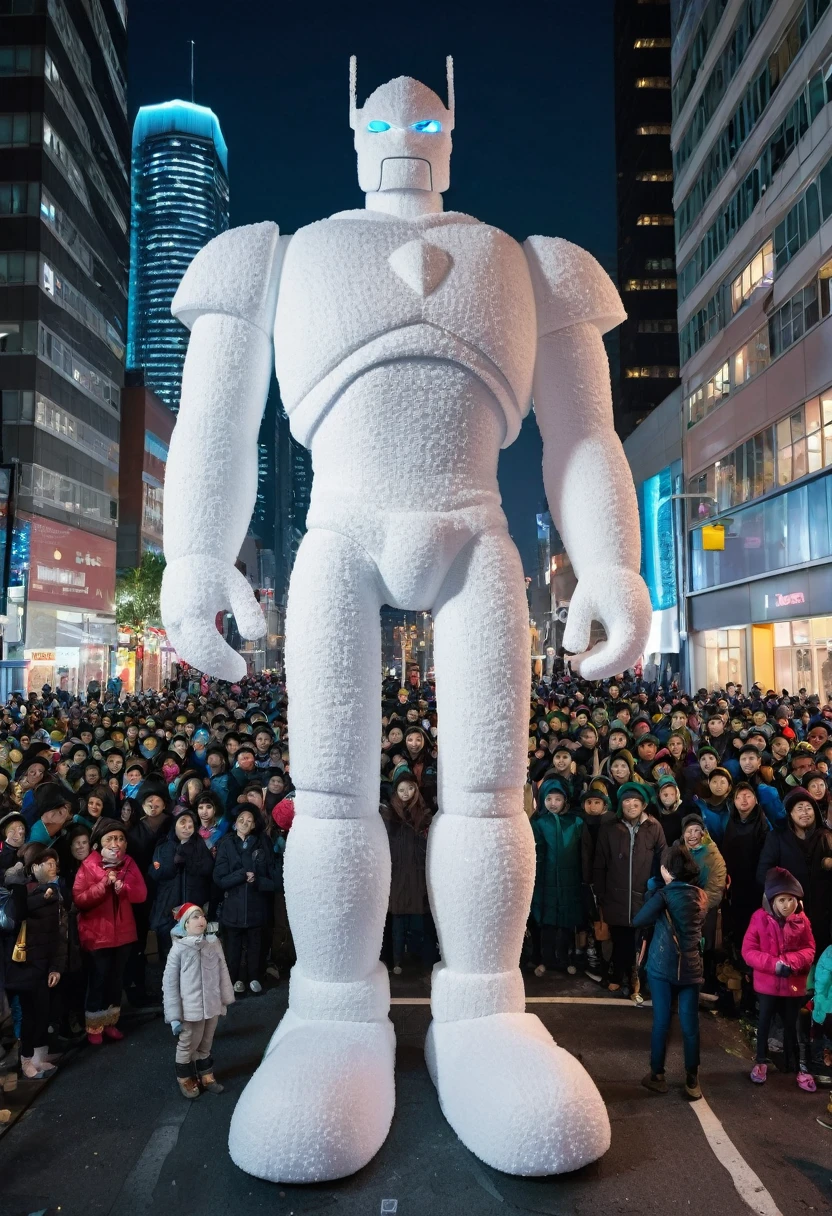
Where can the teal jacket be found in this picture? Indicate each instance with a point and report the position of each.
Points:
(557, 884)
(823, 987)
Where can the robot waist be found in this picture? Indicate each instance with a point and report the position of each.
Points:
(418, 341)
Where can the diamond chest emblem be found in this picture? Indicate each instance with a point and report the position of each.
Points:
(420, 265)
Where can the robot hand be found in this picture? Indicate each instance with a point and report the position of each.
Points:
(194, 589)
(618, 598)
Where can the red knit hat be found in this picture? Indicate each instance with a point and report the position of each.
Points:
(181, 914)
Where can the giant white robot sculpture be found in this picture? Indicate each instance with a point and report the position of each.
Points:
(409, 343)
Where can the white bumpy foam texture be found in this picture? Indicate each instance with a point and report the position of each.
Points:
(406, 350)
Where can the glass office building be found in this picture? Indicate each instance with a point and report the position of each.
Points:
(64, 244)
(752, 161)
(179, 202)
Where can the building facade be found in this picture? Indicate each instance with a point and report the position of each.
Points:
(64, 249)
(179, 202)
(146, 428)
(649, 363)
(752, 159)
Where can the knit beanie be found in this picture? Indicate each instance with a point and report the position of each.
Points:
(721, 772)
(781, 882)
(633, 789)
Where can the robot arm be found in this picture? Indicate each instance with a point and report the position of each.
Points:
(228, 299)
(588, 481)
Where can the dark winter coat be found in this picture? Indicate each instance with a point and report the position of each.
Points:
(43, 909)
(142, 841)
(245, 905)
(557, 885)
(675, 953)
(742, 846)
(180, 873)
(625, 860)
(408, 851)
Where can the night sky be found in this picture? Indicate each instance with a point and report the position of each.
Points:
(533, 142)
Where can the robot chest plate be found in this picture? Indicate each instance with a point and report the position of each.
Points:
(346, 281)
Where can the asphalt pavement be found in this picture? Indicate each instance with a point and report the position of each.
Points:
(111, 1136)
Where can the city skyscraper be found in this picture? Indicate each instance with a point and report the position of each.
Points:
(64, 216)
(649, 354)
(179, 202)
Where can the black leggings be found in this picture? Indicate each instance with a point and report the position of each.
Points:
(104, 980)
(234, 940)
(34, 1007)
(788, 1007)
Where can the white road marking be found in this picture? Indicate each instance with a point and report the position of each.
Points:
(136, 1196)
(749, 1186)
(543, 1000)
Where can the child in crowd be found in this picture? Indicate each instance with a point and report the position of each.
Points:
(780, 948)
(557, 904)
(197, 990)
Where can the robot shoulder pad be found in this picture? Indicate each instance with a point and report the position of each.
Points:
(235, 274)
(570, 286)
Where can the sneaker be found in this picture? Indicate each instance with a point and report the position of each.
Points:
(692, 1089)
(593, 962)
(656, 1082)
(256, 987)
(273, 971)
(397, 970)
(239, 987)
(592, 974)
(540, 970)
(806, 1082)
(759, 1073)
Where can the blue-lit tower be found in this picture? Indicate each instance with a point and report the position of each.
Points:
(179, 202)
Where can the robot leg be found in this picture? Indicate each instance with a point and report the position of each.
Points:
(320, 1105)
(517, 1100)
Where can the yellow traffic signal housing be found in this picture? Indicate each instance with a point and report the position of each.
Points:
(713, 537)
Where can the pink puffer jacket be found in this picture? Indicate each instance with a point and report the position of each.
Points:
(768, 941)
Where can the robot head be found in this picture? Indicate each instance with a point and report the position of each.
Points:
(403, 135)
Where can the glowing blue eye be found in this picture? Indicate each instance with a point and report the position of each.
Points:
(428, 126)
(378, 124)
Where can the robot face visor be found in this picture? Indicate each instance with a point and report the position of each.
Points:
(403, 139)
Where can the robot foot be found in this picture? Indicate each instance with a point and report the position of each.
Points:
(519, 1102)
(320, 1105)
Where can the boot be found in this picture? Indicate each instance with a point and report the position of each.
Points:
(33, 1069)
(207, 1080)
(45, 1064)
(186, 1077)
(656, 1082)
(692, 1089)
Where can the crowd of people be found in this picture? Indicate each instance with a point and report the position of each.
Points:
(683, 842)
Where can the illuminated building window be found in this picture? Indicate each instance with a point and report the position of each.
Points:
(759, 270)
(649, 44)
(657, 327)
(653, 82)
(660, 264)
(650, 285)
(654, 128)
(655, 221)
(655, 372)
(655, 175)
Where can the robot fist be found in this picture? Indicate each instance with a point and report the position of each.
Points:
(194, 589)
(618, 598)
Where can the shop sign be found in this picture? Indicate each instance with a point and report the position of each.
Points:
(40, 656)
(794, 598)
(70, 567)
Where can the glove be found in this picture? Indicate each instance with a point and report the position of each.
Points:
(782, 968)
(176, 1027)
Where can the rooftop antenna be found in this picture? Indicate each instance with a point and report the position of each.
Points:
(192, 69)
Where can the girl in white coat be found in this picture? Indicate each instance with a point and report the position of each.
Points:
(196, 991)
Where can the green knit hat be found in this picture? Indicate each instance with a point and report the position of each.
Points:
(633, 789)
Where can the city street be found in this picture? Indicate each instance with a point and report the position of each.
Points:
(123, 1142)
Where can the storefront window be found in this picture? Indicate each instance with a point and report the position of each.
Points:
(803, 655)
(724, 656)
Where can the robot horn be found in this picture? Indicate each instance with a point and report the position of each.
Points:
(449, 69)
(353, 89)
